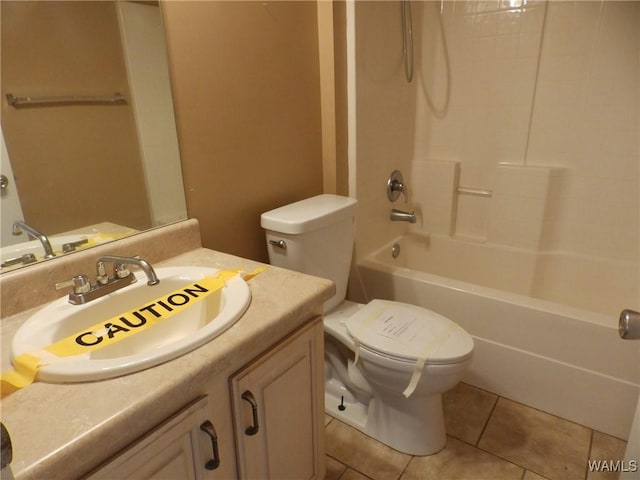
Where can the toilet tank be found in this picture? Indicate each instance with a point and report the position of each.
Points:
(314, 236)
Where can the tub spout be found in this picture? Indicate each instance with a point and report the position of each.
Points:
(400, 216)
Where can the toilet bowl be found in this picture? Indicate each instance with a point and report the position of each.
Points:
(394, 395)
(387, 363)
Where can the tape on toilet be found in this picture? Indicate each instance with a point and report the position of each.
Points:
(415, 377)
(366, 323)
(422, 360)
(421, 357)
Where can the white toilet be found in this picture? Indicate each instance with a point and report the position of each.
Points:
(386, 363)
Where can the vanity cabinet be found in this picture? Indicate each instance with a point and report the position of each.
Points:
(181, 447)
(278, 410)
(271, 426)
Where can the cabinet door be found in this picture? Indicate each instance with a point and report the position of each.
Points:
(177, 449)
(278, 405)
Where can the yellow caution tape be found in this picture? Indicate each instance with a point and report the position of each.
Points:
(26, 366)
(248, 276)
(116, 328)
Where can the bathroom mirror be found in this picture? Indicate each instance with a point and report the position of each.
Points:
(89, 144)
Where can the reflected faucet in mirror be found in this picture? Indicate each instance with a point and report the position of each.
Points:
(20, 226)
(24, 259)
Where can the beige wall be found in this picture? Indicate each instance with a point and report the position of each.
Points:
(69, 158)
(247, 98)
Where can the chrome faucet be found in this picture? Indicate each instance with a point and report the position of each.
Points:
(400, 216)
(396, 186)
(84, 291)
(19, 226)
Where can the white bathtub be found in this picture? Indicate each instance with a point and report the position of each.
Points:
(563, 358)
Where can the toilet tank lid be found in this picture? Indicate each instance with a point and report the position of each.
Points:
(309, 214)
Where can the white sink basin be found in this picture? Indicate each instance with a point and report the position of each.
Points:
(176, 335)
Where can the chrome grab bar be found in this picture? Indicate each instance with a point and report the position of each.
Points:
(478, 192)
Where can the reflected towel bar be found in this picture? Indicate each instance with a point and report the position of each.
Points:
(479, 192)
(116, 98)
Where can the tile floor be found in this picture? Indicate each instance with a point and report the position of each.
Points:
(489, 437)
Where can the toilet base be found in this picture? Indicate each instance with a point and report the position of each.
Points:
(410, 425)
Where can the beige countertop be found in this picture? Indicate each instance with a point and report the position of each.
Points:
(65, 430)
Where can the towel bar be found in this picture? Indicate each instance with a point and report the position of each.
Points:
(14, 101)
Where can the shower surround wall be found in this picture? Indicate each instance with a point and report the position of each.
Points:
(536, 102)
(518, 139)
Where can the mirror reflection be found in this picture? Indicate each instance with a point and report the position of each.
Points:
(89, 147)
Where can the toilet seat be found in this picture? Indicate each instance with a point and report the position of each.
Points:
(408, 333)
(414, 335)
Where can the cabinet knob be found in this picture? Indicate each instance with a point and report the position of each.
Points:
(207, 427)
(248, 397)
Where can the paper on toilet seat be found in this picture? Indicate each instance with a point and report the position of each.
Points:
(400, 331)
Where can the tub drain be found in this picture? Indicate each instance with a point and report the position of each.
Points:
(395, 250)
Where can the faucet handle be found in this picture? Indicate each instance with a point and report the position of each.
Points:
(121, 270)
(80, 284)
(101, 274)
(71, 246)
(396, 186)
